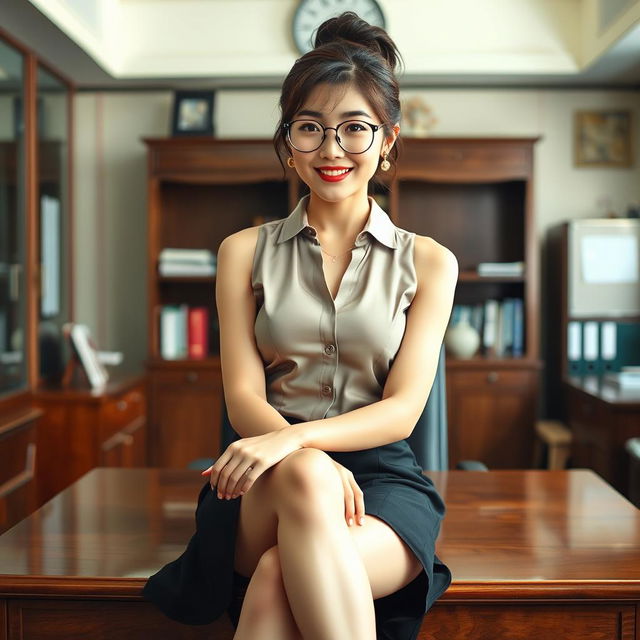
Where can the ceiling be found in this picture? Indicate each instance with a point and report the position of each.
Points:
(76, 42)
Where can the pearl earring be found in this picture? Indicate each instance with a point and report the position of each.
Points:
(385, 165)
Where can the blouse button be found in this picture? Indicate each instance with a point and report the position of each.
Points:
(326, 389)
(310, 231)
(329, 349)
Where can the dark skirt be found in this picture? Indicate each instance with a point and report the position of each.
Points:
(201, 585)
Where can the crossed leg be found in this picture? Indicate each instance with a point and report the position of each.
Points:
(312, 575)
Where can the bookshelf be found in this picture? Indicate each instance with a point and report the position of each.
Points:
(472, 195)
(200, 190)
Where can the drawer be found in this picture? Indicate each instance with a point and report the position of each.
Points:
(196, 377)
(120, 411)
(493, 378)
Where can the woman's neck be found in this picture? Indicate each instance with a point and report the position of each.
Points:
(344, 219)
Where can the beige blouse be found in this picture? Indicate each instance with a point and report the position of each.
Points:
(324, 357)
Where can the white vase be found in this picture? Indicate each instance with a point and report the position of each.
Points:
(462, 340)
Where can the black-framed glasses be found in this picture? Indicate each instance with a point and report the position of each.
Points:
(353, 136)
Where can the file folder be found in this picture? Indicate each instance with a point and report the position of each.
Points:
(574, 348)
(591, 347)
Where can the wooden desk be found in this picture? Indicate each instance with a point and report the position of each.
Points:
(534, 554)
(602, 418)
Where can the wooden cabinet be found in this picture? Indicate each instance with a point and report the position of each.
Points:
(490, 411)
(83, 429)
(18, 451)
(187, 403)
(472, 195)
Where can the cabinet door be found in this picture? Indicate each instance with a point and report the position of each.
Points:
(17, 473)
(13, 231)
(186, 408)
(491, 415)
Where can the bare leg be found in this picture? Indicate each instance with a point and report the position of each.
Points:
(289, 492)
(324, 576)
(266, 614)
(299, 504)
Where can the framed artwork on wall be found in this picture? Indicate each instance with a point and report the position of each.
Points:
(192, 113)
(603, 138)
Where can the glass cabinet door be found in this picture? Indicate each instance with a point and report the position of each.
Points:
(13, 294)
(52, 218)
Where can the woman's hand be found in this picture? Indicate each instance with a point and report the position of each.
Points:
(353, 496)
(245, 460)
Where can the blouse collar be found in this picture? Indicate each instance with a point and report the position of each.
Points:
(378, 224)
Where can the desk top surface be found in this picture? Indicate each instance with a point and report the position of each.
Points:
(534, 529)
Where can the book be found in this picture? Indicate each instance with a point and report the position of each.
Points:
(169, 330)
(198, 319)
(517, 350)
(490, 324)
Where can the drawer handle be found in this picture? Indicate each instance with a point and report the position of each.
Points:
(192, 376)
(122, 405)
(118, 439)
(492, 377)
(24, 476)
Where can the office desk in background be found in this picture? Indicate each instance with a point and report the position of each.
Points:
(602, 418)
(534, 554)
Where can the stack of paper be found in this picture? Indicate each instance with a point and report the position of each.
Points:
(627, 378)
(187, 262)
(500, 269)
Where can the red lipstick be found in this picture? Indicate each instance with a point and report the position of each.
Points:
(334, 178)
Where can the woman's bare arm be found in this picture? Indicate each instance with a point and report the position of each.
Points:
(242, 367)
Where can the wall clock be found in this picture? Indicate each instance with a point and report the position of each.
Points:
(310, 14)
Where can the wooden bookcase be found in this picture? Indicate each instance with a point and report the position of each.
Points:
(475, 197)
(200, 190)
(472, 195)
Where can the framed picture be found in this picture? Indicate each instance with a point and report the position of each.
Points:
(192, 113)
(603, 138)
(87, 353)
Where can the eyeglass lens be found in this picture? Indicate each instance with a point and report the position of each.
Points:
(353, 136)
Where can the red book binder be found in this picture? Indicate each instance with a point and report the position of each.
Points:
(198, 334)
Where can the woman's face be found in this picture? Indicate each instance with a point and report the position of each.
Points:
(332, 173)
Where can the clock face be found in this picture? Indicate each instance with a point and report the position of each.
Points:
(310, 14)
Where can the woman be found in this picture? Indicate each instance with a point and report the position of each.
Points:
(331, 323)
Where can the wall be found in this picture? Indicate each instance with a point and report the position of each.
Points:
(110, 178)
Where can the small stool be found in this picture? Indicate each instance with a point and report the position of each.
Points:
(557, 437)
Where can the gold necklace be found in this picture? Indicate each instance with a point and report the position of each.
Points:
(334, 258)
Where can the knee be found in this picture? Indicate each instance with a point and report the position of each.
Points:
(307, 473)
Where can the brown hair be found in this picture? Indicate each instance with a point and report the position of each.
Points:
(348, 51)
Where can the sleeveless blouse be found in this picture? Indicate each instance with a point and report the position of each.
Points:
(324, 357)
